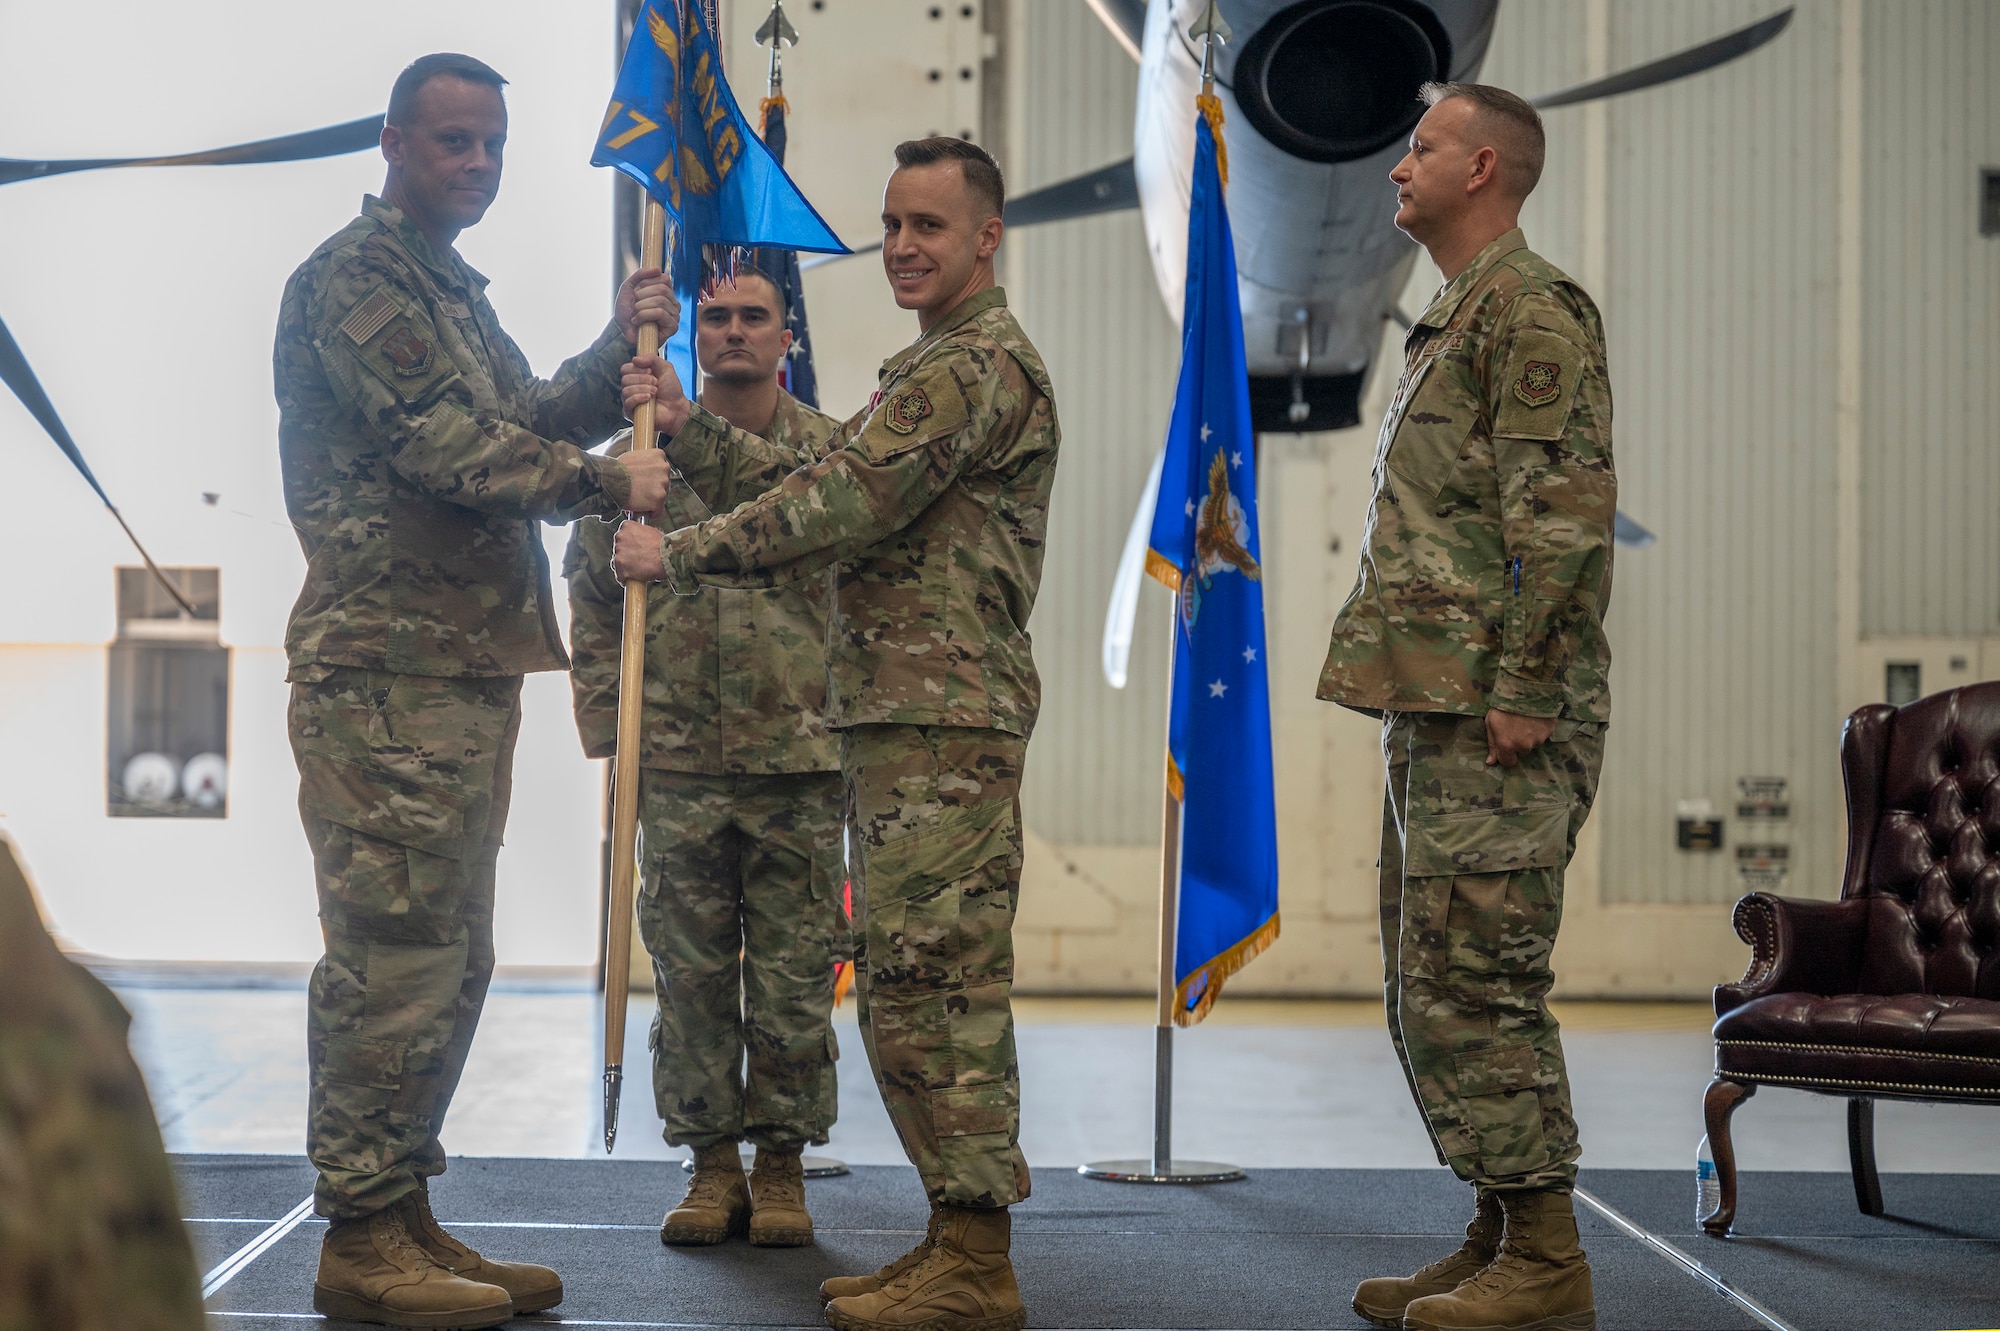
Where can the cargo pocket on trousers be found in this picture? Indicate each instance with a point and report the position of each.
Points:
(358, 1095)
(913, 886)
(398, 875)
(1500, 1091)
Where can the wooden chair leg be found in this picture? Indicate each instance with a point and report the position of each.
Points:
(1861, 1155)
(1716, 1106)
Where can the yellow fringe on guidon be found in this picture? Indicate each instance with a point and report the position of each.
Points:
(1207, 980)
(764, 112)
(1211, 111)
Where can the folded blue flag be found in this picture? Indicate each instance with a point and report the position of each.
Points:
(1204, 545)
(674, 127)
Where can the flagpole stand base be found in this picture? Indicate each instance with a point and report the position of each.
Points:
(1177, 1171)
(815, 1166)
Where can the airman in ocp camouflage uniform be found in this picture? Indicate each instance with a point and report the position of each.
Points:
(419, 452)
(91, 1237)
(741, 901)
(933, 502)
(1475, 631)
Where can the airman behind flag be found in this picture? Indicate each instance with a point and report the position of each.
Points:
(674, 127)
(1204, 546)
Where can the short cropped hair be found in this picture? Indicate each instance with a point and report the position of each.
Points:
(982, 174)
(403, 96)
(1515, 125)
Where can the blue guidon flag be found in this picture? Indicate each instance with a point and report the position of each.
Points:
(674, 127)
(1204, 546)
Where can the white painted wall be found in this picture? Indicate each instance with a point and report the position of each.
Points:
(146, 300)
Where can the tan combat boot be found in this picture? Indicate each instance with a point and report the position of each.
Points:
(371, 1270)
(778, 1215)
(848, 1287)
(531, 1287)
(717, 1202)
(1539, 1282)
(964, 1283)
(1382, 1300)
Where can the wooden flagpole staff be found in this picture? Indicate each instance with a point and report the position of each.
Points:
(625, 763)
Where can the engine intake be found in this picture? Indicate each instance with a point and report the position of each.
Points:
(1337, 80)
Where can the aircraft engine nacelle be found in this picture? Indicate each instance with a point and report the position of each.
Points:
(1319, 97)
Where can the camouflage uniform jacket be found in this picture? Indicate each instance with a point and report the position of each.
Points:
(1486, 565)
(735, 680)
(418, 449)
(934, 502)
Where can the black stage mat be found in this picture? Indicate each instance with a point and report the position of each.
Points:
(1281, 1250)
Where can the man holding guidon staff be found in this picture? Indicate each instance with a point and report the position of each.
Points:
(933, 502)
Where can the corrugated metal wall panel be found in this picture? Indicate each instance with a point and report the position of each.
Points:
(1930, 460)
(1084, 291)
(1720, 307)
(1718, 296)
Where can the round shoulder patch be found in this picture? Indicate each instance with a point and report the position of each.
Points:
(907, 409)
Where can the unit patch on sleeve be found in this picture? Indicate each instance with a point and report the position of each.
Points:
(1539, 384)
(907, 409)
(408, 354)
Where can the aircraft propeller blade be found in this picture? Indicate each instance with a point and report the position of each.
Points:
(1108, 189)
(20, 376)
(330, 141)
(1694, 60)
(1125, 20)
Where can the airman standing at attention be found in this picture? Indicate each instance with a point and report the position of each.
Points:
(740, 903)
(1475, 631)
(933, 501)
(419, 453)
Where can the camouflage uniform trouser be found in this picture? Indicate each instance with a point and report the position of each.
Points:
(742, 910)
(936, 819)
(403, 787)
(1471, 886)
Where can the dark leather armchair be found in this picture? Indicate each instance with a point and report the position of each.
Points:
(1893, 991)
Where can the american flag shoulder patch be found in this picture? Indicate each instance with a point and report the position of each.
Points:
(367, 318)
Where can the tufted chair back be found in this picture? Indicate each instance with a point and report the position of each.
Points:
(1923, 847)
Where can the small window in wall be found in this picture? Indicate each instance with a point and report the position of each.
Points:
(169, 700)
(1989, 201)
(1903, 682)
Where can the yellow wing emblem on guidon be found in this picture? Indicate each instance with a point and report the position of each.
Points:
(665, 36)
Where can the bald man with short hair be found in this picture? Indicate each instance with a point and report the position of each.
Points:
(1475, 632)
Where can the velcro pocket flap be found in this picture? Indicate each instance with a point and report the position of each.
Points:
(1493, 1071)
(1504, 840)
(1431, 436)
(1540, 382)
(951, 849)
(379, 803)
(355, 1061)
(971, 1111)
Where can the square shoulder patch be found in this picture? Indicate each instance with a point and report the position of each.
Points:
(1538, 385)
(402, 351)
(924, 407)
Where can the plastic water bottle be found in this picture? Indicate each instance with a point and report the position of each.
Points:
(1707, 1187)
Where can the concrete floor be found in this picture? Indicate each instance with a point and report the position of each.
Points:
(1262, 1083)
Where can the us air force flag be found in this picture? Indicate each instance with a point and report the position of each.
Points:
(1204, 546)
(674, 127)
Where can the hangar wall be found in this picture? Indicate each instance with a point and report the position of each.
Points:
(1801, 316)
